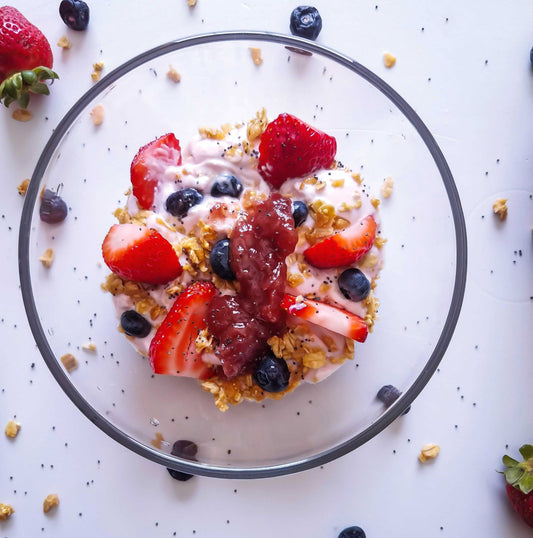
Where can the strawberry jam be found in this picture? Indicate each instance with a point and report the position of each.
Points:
(243, 323)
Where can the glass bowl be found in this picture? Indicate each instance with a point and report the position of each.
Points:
(378, 134)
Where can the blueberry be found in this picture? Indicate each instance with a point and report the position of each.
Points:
(183, 449)
(388, 394)
(179, 202)
(299, 212)
(178, 475)
(306, 22)
(219, 260)
(353, 284)
(352, 532)
(75, 14)
(134, 324)
(531, 55)
(53, 208)
(226, 185)
(272, 374)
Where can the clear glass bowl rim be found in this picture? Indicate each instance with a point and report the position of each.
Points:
(321, 458)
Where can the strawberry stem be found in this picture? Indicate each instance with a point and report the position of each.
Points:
(18, 86)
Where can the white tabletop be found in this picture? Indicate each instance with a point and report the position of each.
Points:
(466, 71)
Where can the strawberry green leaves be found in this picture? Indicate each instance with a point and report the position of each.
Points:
(19, 86)
(520, 474)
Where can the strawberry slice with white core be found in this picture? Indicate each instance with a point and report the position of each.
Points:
(329, 317)
(343, 248)
(140, 253)
(149, 166)
(173, 348)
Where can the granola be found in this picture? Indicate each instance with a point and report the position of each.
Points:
(6, 510)
(429, 452)
(389, 60)
(47, 257)
(499, 207)
(12, 429)
(69, 362)
(21, 114)
(51, 501)
(23, 187)
(64, 42)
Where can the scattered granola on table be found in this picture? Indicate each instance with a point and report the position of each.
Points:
(6, 510)
(389, 60)
(64, 43)
(12, 429)
(499, 207)
(21, 114)
(23, 187)
(47, 257)
(429, 452)
(89, 346)
(98, 67)
(51, 501)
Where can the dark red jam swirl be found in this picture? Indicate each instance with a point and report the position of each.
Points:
(243, 323)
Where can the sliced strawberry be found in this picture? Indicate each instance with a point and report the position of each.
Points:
(173, 348)
(291, 148)
(329, 317)
(149, 165)
(140, 253)
(343, 248)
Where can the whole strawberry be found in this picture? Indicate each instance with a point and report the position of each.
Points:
(519, 487)
(26, 58)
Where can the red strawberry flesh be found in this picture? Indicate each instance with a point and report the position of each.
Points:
(22, 45)
(173, 348)
(140, 253)
(522, 504)
(291, 148)
(343, 248)
(149, 166)
(329, 317)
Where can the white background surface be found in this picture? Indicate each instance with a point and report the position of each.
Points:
(465, 69)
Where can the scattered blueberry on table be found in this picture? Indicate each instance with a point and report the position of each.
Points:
(352, 532)
(75, 14)
(306, 22)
